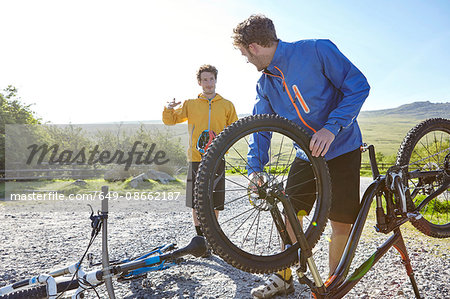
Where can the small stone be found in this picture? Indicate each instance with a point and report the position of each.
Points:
(80, 183)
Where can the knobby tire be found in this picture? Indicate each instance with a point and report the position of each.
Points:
(426, 148)
(221, 148)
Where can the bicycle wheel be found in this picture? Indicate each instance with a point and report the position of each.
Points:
(424, 157)
(39, 292)
(246, 233)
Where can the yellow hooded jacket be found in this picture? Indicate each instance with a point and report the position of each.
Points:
(196, 112)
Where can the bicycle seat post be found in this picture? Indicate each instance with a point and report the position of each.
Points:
(107, 275)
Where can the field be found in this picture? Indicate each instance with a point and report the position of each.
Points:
(385, 132)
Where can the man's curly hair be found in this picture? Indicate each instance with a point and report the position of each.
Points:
(256, 29)
(206, 68)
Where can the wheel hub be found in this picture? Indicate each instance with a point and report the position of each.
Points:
(262, 199)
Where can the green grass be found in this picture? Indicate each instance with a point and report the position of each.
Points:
(434, 209)
(386, 133)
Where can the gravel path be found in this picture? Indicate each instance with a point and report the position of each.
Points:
(41, 235)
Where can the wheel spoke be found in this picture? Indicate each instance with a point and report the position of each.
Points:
(256, 234)
(246, 211)
(279, 152)
(231, 201)
(249, 229)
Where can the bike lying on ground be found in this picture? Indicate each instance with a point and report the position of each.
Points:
(250, 231)
(55, 284)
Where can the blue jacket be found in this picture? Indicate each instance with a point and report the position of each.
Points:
(313, 84)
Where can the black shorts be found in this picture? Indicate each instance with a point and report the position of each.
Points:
(344, 173)
(219, 182)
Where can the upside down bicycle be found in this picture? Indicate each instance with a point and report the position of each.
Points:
(251, 230)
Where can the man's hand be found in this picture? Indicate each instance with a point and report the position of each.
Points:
(173, 104)
(320, 142)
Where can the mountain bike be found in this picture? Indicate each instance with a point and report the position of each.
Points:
(58, 282)
(251, 230)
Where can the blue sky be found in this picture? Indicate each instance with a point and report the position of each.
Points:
(104, 61)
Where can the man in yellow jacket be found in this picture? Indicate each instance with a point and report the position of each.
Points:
(207, 116)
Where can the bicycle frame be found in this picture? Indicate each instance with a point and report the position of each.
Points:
(155, 260)
(338, 284)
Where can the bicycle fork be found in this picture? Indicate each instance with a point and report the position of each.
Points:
(305, 250)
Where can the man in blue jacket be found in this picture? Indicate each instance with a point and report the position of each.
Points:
(313, 84)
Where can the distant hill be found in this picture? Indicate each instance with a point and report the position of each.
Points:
(417, 110)
(386, 128)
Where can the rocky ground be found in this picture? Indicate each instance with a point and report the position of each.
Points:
(43, 235)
